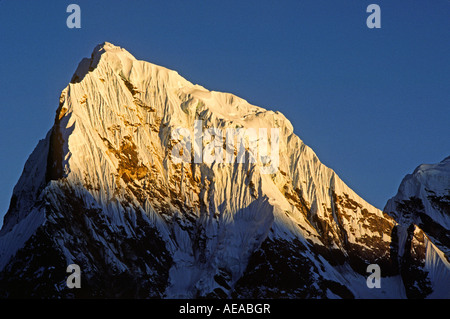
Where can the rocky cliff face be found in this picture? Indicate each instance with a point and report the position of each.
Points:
(106, 190)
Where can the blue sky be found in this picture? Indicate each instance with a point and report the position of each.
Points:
(372, 103)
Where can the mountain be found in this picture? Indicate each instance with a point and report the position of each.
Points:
(118, 188)
(422, 210)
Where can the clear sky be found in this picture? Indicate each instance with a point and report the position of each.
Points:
(372, 103)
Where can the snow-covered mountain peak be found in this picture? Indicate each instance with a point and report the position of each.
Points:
(422, 209)
(111, 48)
(115, 58)
(119, 58)
(435, 177)
(443, 165)
(103, 190)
